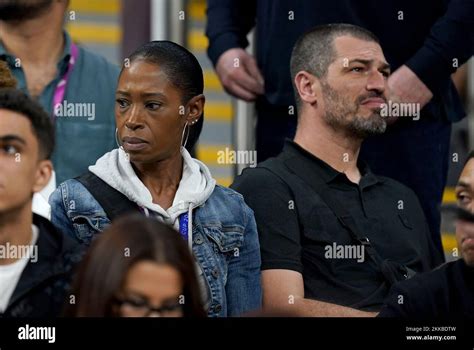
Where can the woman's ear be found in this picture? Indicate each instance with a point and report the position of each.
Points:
(195, 108)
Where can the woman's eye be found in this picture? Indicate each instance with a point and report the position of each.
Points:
(9, 149)
(153, 105)
(136, 303)
(122, 103)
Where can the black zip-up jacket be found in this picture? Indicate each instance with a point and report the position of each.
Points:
(42, 290)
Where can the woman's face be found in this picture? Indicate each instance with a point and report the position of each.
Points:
(151, 289)
(149, 113)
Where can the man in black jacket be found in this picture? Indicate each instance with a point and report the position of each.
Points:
(36, 261)
(424, 41)
(447, 292)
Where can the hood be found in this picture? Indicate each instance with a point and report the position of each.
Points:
(195, 187)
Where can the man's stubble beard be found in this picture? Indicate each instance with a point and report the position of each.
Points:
(341, 114)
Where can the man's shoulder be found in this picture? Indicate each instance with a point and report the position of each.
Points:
(95, 62)
(259, 178)
(269, 173)
(395, 186)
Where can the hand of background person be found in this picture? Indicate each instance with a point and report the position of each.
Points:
(238, 72)
(405, 87)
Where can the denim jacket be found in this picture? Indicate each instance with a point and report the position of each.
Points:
(225, 242)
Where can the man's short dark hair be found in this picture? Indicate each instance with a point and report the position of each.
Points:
(469, 157)
(16, 101)
(314, 50)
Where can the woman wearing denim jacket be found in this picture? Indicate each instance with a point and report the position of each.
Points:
(159, 100)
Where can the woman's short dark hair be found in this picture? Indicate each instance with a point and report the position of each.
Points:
(183, 71)
(102, 272)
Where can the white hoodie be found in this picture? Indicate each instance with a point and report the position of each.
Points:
(195, 187)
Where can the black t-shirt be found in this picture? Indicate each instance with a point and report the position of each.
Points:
(447, 292)
(299, 232)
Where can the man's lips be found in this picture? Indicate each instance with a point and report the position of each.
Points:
(374, 102)
(468, 240)
(133, 143)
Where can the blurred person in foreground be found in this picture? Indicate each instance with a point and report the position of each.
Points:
(138, 267)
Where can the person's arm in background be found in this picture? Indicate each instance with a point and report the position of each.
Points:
(279, 234)
(228, 23)
(451, 37)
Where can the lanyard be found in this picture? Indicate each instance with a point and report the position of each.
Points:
(183, 223)
(183, 226)
(60, 90)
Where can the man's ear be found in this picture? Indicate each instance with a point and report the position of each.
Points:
(195, 108)
(43, 174)
(308, 87)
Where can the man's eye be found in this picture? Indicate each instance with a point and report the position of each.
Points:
(463, 199)
(357, 69)
(9, 149)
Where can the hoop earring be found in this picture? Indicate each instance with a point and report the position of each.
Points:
(117, 141)
(187, 135)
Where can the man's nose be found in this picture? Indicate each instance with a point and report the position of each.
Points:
(376, 82)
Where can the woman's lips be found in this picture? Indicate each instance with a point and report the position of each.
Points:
(133, 143)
